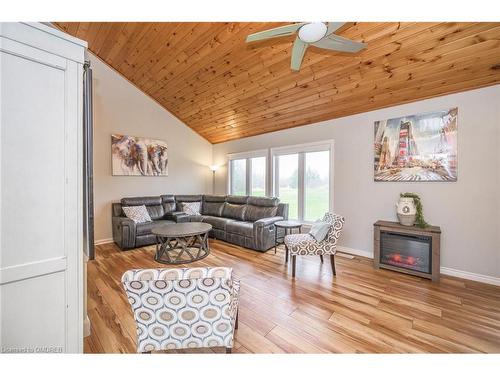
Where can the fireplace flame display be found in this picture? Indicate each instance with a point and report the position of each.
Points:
(400, 259)
(406, 251)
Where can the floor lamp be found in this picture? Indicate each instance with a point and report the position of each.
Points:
(213, 168)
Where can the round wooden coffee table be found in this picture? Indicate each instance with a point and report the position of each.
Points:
(182, 242)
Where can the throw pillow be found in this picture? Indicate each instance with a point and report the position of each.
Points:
(319, 230)
(139, 214)
(191, 208)
(234, 211)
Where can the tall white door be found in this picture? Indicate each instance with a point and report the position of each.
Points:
(41, 264)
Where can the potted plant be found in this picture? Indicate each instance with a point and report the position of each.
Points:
(410, 210)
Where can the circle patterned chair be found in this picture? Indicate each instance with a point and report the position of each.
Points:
(181, 308)
(305, 244)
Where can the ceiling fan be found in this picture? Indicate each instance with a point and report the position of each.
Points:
(319, 34)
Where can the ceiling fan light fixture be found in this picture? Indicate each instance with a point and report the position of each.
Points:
(312, 32)
(318, 34)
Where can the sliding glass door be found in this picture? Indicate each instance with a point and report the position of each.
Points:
(302, 178)
(316, 184)
(288, 183)
(258, 176)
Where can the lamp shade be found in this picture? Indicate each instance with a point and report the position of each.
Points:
(213, 168)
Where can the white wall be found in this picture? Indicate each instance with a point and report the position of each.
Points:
(119, 107)
(468, 211)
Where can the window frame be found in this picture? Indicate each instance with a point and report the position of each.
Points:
(301, 150)
(248, 156)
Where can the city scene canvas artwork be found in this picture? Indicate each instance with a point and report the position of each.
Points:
(137, 156)
(420, 147)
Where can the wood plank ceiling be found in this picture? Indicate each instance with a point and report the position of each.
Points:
(225, 89)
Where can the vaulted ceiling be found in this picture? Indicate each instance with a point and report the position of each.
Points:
(224, 88)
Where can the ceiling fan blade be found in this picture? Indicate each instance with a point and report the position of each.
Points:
(338, 43)
(334, 26)
(298, 51)
(274, 33)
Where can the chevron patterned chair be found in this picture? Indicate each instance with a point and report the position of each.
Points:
(305, 244)
(181, 308)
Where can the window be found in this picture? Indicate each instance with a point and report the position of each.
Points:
(248, 173)
(238, 176)
(316, 185)
(258, 176)
(288, 183)
(302, 178)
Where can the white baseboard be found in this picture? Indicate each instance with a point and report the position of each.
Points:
(470, 276)
(103, 241)
(350, 250)
(443, 270)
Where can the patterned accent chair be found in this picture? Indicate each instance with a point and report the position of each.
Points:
(305, 244)
(180, 308)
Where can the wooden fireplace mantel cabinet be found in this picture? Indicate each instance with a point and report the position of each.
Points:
(394, 227)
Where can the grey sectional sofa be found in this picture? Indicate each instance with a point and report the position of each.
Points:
(243, 220)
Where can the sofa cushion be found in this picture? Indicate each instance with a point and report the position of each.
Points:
(213, 205)
(190, 208)
(237, 199)
(263, 201)
(254, 213)
(168, 203)
(156, 212)
(243, 228)
(153, 205)
(212, 208)
(234, 211)
(188, 198)
(214, 198)
(139, 214)
(179, 199)
(216, 222)
(145, 228)
(117, 209)
(195, 218)
(140, 201)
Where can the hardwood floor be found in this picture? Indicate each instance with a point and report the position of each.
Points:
(361, 310)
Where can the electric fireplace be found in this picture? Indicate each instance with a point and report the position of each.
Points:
(410, 250)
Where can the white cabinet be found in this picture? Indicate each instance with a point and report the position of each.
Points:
(41, 259)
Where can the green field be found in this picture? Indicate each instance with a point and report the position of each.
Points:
(316, 203)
